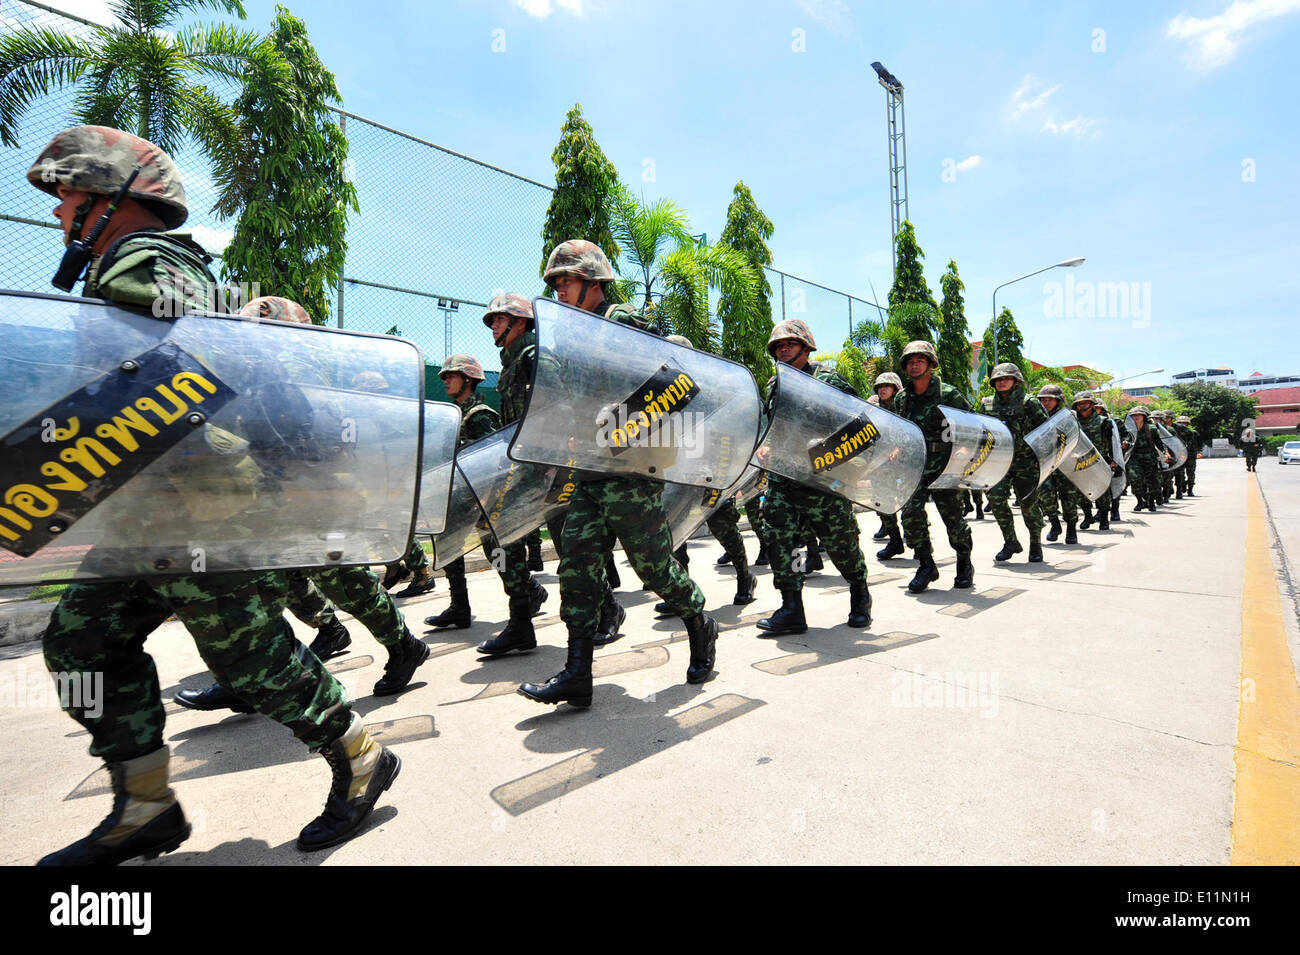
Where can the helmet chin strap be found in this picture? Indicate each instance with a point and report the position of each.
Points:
(582, 296)
(79, 220)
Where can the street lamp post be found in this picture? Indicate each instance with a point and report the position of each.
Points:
(1115, 381)
(1067, 264)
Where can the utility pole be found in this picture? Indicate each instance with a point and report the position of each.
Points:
(896, 121)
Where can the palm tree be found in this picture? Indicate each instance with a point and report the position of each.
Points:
(672, 272)
(141, 75)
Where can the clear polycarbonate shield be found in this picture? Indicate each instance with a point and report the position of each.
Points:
(492, 498)
(1053, 441)
(1117, 481)
(615, 400)
(1130, 426)
(1174, 445)
(982, 450)
(138, 447)
(826, 439)
(1085, 468)
(688, 507)
(442, 421)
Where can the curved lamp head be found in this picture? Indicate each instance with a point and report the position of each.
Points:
(1070, 263)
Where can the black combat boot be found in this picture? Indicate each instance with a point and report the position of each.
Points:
(1139, 506)
(145, 820)
(745, 583)
(537, 596)
(761, 559)
(813, 559)
(1114, 510)
(403, 658)
(1055, 532)
(518, 633)
(1087, 517)
(882, 532)
(362, 771)
(1035, 552)
(611, 571)
(788, 618)
(1009, 549)
(965, 573)
(724, 560)
(214, 697)
(1103, 519)
(1178, 496)
(966, 505)
(702, 631)
(394, 574)
(457, 613)
(664, 610)
(535, 562)
(893, 548)
(570, 685)
(612, 616)
(859, 606)
(421, 583)
(331, 640)
(979, 509)
(927, 572)
(1071, 534)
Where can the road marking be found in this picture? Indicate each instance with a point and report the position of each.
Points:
(1266, 791)
(980, 602)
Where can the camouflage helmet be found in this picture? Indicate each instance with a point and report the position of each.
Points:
(1007, 369)
(277, 309)
(509, 303)
(888, 378)
(369, 381)
(1083, 396)
(1101, 406)
(467, 365)
(790, 328)
(1052, 391)
(98, 160)
(679, 340)
(578, 257)
(1183, 419)
(920, 348)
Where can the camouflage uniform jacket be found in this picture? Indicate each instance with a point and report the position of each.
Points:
(626, 314)
(1189, 437)
(516, 370)
(166, 273)
(1020, 413)
(821, 373)
(923, 411)
(478, 420)
(1097, 429)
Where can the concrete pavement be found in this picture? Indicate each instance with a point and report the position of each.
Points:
(1080, 711)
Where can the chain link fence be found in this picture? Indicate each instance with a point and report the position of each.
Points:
(437, 236)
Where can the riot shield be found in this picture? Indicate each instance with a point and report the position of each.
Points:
(831, 441)
(492, 498)
(1174, 445)
(1117, 481)
(1053, 441)
(688, 507)
(441, 435)
(138, 447)
(611, 399)
(982, 449)
(1085, 467)
(1130, 426)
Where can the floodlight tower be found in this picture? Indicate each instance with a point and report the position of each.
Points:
(897, 123)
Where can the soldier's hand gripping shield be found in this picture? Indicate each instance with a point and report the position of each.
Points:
(688, 507)
(1174, 445)
(135, 447)
(1053, 442)
(611, 399)
(442, 422)
(1117, 481)
(826, 439)
(1081, 463)
(493, 498)
(981, 451)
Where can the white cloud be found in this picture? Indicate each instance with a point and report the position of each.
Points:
(832, 14)
(970, 162)
(1079, 126)
(1030, 85)
(1214, 41)
(544, 8)
(214, 240)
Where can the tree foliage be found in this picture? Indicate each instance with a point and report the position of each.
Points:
(670, 273)
(288, 181)
(1216, 412)
(954, 346)
(143, 74)
(1010, 346)
(585, 181)
(745, 332)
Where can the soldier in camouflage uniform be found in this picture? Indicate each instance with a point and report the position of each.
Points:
(460, 376)
(1164, 477)
(919, 404)
(792, 508)
(885, 389)
(1097, 428)
(603, 508)
(1252, 445)
(1021, 414)
(1144, 462)
(235, 619)
(1057, 489)
(1184, 430)
(1110, 423)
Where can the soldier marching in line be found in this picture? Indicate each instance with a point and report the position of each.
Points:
(1098, 430)
(1057, 488)
(1144, 461)
(603, 508)
(885, 390)
(235, 619)
(792, 508)
(1120, 434)
(1021, 414)
(1186, 475)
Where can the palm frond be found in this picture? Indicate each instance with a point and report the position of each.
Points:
(34, 63)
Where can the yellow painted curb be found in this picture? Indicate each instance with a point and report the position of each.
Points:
(1266, 795)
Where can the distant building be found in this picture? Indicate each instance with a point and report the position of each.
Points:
(1259, 382)
(1279, 410)
(1210, 376)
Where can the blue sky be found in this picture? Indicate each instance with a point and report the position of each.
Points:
(1158, 140)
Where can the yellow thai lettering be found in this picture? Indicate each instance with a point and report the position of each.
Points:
(83, 453)
(182, 383)
(67, 480)
(68, 433)
(120, 428)
(167, 417)
(17, 520)
(32, 500)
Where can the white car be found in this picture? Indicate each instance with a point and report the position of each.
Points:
(1289, 452)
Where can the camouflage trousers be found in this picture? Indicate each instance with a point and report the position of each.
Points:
(416, 559)
(237, 624)
(305, 601)
(1143, 474)
(1058, 498)
(631, 510)
(754, 511)
(1180, 479)
(357, 591)
(1190, 469)
(916, 524)
(1023, 477)
(1167, 482)
(722, 525)
(511, 564)
(791, 511)
(556, 528)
